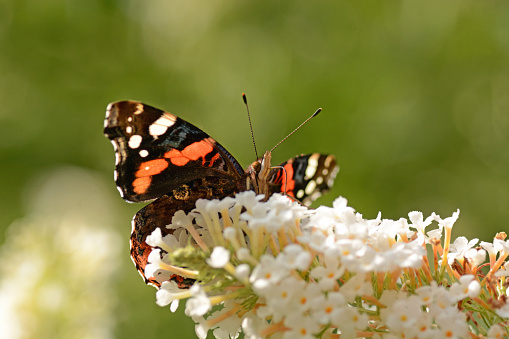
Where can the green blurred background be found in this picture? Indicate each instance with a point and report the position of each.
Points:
(415, 98)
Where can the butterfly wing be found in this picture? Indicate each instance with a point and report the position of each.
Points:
(304, 177)
(156, 151)
(159, 214)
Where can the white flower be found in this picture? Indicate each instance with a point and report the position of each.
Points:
(242, 272)
(404, 314)
(427, 293)
(230, 233)
(352, 252)
(356, 286)
(503, 245)
(475, 256)
(424, 327)
(248, 199)
(286, 208)
(418, 221)
(503, 271)
(201, 328)
(168, 294)
(328, 274)
(243, 254)
(317, 240)
(181, 219)
(392, 228)
(294, 257)
(257, 217)
(443, 301)
(199, 303)
(489, 247)
(252, 325)
(406, 255)
(326, 217)
(452, 323)
(219, 257)
(230, 327)
(389, 298)
(448, 222)
(155, 239)
(280, 298)
(168, 243)
(434, 234)
(267, 273)
(348, 320)
(466, 287)
(225, 203)
(497, 332)
(503, 311)
(323, 308)
(155, 263)
(459, 247)
(301, 327)
(304, 297)
(340, 205)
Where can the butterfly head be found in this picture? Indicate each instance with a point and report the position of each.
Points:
(257, 175)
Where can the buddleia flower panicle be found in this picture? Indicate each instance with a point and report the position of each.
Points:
(277, 269)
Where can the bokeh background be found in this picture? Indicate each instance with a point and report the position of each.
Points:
(415, 98)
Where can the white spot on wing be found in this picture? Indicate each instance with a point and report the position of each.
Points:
(310, 187)
(108, 110)
(300, 194)
(335, 171)
(319, 180)
(330, 182)
(120, 191)
(312, 166)
(139, 109)
(156, 130)
(143, 153)
(328, 160)
(135, 141)
(167, 120)
(128, 129)
(160, 126)
(117, 154)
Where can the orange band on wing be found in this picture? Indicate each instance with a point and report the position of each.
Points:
(141, 185)
(192, 152)
(214, 158)
(151, 167)
(288, 184)
(145, 172)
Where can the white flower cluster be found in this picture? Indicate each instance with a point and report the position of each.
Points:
(59, 263)
(282, 270)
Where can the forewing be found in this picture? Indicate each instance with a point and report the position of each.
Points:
(155, 151)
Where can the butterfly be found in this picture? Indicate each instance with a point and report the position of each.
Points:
(161, 157)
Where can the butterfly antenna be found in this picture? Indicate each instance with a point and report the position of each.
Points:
(295, 130)
(250, 125)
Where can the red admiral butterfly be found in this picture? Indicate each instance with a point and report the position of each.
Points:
(160, 156)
